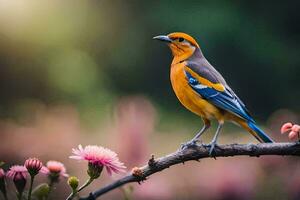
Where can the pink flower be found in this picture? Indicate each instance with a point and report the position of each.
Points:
(99, 156)
(286, 127)
(54, 167)
(18, 174)
(294, 130)
(33, 166)
(17, 171)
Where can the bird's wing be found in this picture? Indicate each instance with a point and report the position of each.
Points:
(210, 85)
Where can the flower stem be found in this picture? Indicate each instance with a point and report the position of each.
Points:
(89, 181)
(50, 189)
(30, 188)
(19, 195)
(85, 184)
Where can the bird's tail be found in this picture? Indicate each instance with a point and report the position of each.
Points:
(258, 133)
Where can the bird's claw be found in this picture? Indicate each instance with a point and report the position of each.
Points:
(212, 149)
(189, 144)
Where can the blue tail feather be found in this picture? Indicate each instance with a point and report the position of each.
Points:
(262, 136)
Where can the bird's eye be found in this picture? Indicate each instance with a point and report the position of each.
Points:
(180, 39)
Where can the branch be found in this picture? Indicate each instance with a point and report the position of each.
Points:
(197, 153)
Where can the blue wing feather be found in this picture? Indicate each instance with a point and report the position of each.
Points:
(225, 100)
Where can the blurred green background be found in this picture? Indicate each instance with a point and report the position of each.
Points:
(84, 58)
(91, 52)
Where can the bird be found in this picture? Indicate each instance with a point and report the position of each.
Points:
(202, 89)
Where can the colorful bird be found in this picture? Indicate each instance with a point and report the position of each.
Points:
(203, 90)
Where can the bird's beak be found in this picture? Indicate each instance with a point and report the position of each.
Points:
(163, 38)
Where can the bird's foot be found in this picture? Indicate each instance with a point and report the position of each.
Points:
(189, 144)
(212, 151)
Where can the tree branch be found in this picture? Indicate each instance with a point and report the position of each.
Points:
(197, 153)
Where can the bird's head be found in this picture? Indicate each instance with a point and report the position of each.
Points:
(181, 44)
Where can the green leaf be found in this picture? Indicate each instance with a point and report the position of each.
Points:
(41, 191)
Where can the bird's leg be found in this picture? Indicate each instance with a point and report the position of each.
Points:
(214, 140)
(197, 136)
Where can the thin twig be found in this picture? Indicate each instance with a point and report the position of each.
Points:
(197, 153)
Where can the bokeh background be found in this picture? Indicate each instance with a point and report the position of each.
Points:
(88, 72)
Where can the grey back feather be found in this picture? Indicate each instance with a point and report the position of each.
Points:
(198, 63)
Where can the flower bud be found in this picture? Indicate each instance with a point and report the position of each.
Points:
(33, 166)
(286, 127)
(20, 182)
(18, 174)
(296, 128)
(94, 170)
(73, 182)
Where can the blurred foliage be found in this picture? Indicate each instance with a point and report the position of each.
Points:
(88, 53)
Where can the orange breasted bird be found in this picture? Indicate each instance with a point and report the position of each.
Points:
(202, 89)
